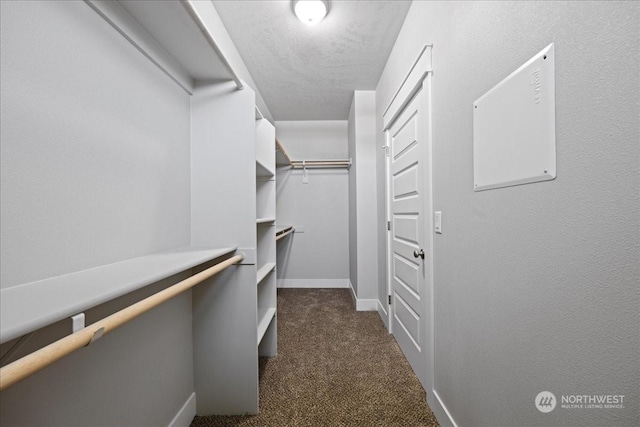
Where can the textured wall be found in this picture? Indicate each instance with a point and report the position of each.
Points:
(536, 286)
(95, 169)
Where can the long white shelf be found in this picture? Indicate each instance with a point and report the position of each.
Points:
(265, 316)
(169, 24)
(264, 270)
(162, 29)
(30, 306)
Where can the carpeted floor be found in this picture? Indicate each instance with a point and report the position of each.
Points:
(335, 367)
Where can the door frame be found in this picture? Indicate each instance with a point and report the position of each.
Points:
(417, 78)
(387, 212)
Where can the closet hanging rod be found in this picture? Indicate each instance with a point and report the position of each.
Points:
(207, 35)
(297, 164)
(39, 359)
(284, 233)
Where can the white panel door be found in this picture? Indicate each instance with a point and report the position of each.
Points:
(409, 258)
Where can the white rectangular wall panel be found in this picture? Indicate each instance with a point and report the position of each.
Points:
(514, 127)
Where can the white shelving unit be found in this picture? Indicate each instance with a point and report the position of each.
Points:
(228, 205)
(224, 209)
(231, 189)
(265, 238)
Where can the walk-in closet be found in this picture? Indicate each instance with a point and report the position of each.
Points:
(319, 213)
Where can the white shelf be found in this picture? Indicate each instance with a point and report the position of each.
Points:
(170, 25)
(30, 306)
(263, 171)
(264, 270)
(162, 29)
(265, 316)
(265, 220)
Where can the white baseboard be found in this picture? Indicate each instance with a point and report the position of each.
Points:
(366, 304)
(354, 298)
(185, 415)
(313, 283)
(363, 304)
(383, 315)
(439, 410)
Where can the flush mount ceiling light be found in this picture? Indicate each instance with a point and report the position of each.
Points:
(310, 11)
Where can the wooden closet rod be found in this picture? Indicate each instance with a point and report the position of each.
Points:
(207, 35)
(32, 363)
(296, 164)
(285, 233)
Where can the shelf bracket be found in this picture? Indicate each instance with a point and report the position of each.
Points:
(77, 322)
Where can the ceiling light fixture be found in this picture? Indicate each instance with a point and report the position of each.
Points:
(310, 11)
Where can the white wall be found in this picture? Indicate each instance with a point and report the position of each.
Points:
(314, 139)
(94, 169)
(363, 219)
(317, 254)
(536, 286)
(95, 146)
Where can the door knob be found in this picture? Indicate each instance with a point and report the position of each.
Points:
(418, 254)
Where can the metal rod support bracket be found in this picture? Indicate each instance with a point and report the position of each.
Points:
(96, 336)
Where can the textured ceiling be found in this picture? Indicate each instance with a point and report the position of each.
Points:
(310, 73)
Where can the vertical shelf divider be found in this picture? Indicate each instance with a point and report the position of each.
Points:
(266, 239)
(225, 354)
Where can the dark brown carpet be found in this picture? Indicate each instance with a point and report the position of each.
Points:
(335, 367)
